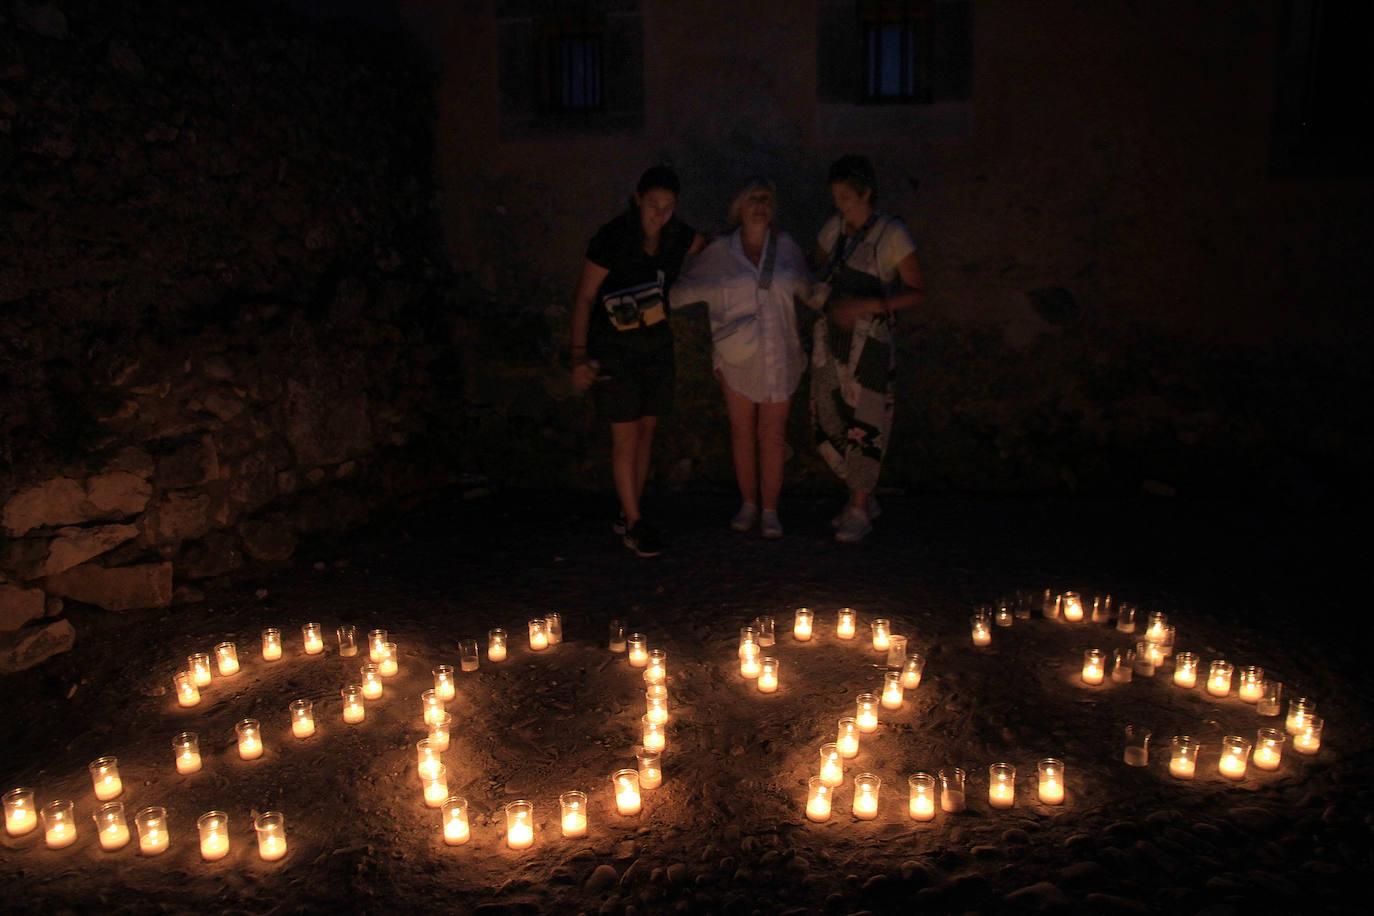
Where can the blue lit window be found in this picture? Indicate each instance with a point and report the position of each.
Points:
(575, 73)
(896, 52)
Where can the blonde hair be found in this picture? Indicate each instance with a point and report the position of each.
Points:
(757, 183)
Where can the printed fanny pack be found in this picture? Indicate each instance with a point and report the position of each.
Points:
(636, 307)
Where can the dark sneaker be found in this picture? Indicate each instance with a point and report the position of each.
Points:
(643, 539)
(619, 526)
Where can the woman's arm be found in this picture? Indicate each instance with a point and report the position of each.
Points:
(592, 276)
(912, 294)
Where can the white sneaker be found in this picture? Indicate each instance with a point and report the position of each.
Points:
(854, 526)
(874, 510)
(769, 525)
(746, 516)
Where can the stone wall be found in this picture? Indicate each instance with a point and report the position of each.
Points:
(222, 297)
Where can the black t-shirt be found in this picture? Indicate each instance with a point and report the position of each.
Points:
(632, 302)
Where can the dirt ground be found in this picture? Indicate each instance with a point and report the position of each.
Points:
(726, 832)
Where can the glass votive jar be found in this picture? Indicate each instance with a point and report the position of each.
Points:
(468, 657)
(573, 808)
(1123, 662)
(1154, 626)
(653, 736)
(439, 731)
(198, 664)
(348, 640)
(1219, 678)
(1268, 751)
(1164, 647)
(270, 827)
(376, 644)
(1125, 618)
(1185, 669)
(615, 639)
(832, 766)
(866, 712)
(767, 630)
(21, 811)
(539, 634)
(457, 831)
(768, 675)
(846, 622)
(751, 662)
(982, 633)
(748, 636)
(1071, 604)
(803, 621)
(1300, 709)
(1001, 785)
(896, 650)
(626, 785)
(1094, 666)
(637, 646)
(1144, 661)
(1137, 746)
(427, 758)
(921, 796)
(1251, 683)
(912, 670)
(1050, 781)
(650, 768)
(1050, 604)
(520, 824)
(1102, 608)
(656, 671)
(59, 824)
(430, 705)
(553, 625)
(372, 685)
(186, 751)
(1183, 751)
(110, 826)
(353, 709)
(214, 835)
(249, 733)
(1002, 615)
(443, 682)
(656, 703)
(1308, 739)
(1235, 754)
(892, 690)
(390, 665)
(496, 645)
(271, 644)
(105, 778)
(952, 797)
(185, 684)
(817, 800)
(435, 783)
(1022, 604)
(302, 718)
(313, 636)
(227, 658)
(151, 826)
(866, 786)
(847, 737)
(1271, 704)
(882, 633)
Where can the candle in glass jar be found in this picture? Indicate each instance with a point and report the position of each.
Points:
(539, 634)
(768, 675)
(353, 709)
(573, 808)
(1154, 629)
(151, 824)
(638, 654)
(270, 827)
(912, 669)
(1001, 785)
(802, 622)
(1094, 661)
(250, 739)
(866, 786)
(1272, 702)
(1235, 754)
(271, 644)
(615, 640)
(847, 738)
(372, 682)
(817, 800)
(427, 759)
(748, 636)
(520, 824)
(187, 692)
(431, 706)
(553, 625)
(1185, 669)
(468, 657)
(227, 658)
(921, 796)
(390, 665)
(982, 633)
(21, 811)
(650, 768)
(443, 682)
(1123, 666)
(376, 645)
(439, 732)
(952, 798)
(1308, 739)
(1251, 687)
(1219, 678)
(656, 701)
(1183, 757)
(1072, 605)
(59, 824)
(1268, 752)
(832, 766)
(751, 662)
(313, 635)
(302, 718)
(1125, 618)
(199, 666)
(866, 712)
(348, 641)
(767, 631)
(105, 778)
(845, 623)
(627, 800)
(1144, 659)
(653, 737)
(1300, 709)
(186, 750)
(656, 672)
(896, 650)
(1136, 752)
(436, 785)
(110, 826)
(456, 828)
(882, 633)
(214, 835)
(1051, 781)
(892, 690)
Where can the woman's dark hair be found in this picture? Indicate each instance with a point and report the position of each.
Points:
(660, 176)
(855, 171)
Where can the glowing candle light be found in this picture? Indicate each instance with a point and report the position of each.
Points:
(105, 778)
(151, 824)
(1308, 739)
(376, 645)
(768, 675)
(650, 768)
(214, 835)
(952, 797)
(882, 633)
(1183, 751)
(656, 672)
(372, 682)
(653, 736)
(313, 635)
(199, 666)
(468, 657)
(539, 634)
(439, 731)
(802, 622)
(1003, 616)
(656, 702)
(271, 644)
(443, 682)
(186, 750)
(390, 665)
(627, 799)
(1269, 744)
(1185, 669)
(1093, 662)
(912, 669)
(1123, 661)
(1073, 607)
(1051, 781)
(348, 641)
(767, 630)
(270, 827)
(1137, 748)
(227, 658)
(1251, 688)
(750, 663)
(302, 718)
(427, 759)
(110, 826)
(1300, 709)
(892, 690)
(250, 739)
(638, 655)
(817, 800)
(573, 808)
(615, 640)
(921, 796)
(866, 712)
(1001, 785)
(845, 623)
(436, 786)
(832, 766)
(353, 709)
(1235, 754)
(1154, 628)
(553, 624)
(847, 738)
(431, 706)
(982, 633)
(59, 824)
(457, 831)
(866, 786)
(21, 812)
(187, 692)
(1219, 678)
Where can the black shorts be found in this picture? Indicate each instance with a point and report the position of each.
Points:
(634, 383)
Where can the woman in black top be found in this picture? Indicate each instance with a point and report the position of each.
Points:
(622, 345)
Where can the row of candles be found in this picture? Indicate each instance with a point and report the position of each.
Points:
(922, 788)
(764, 670)
(1236, 751)
(1070, 607)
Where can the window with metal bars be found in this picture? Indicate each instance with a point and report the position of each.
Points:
(896, 52)
(575, 73)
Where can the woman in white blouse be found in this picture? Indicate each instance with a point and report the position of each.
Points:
(749, 279)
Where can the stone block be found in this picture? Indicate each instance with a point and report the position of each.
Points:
(217, 554)
(176, 517)
(34, 558)
(325, 427)
(19, 605)
(31, 646)
(192, 464)
(119, 589)
(67, 501)
(269, 540)
(116, 493)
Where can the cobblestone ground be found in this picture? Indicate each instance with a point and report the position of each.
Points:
(726, 832)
